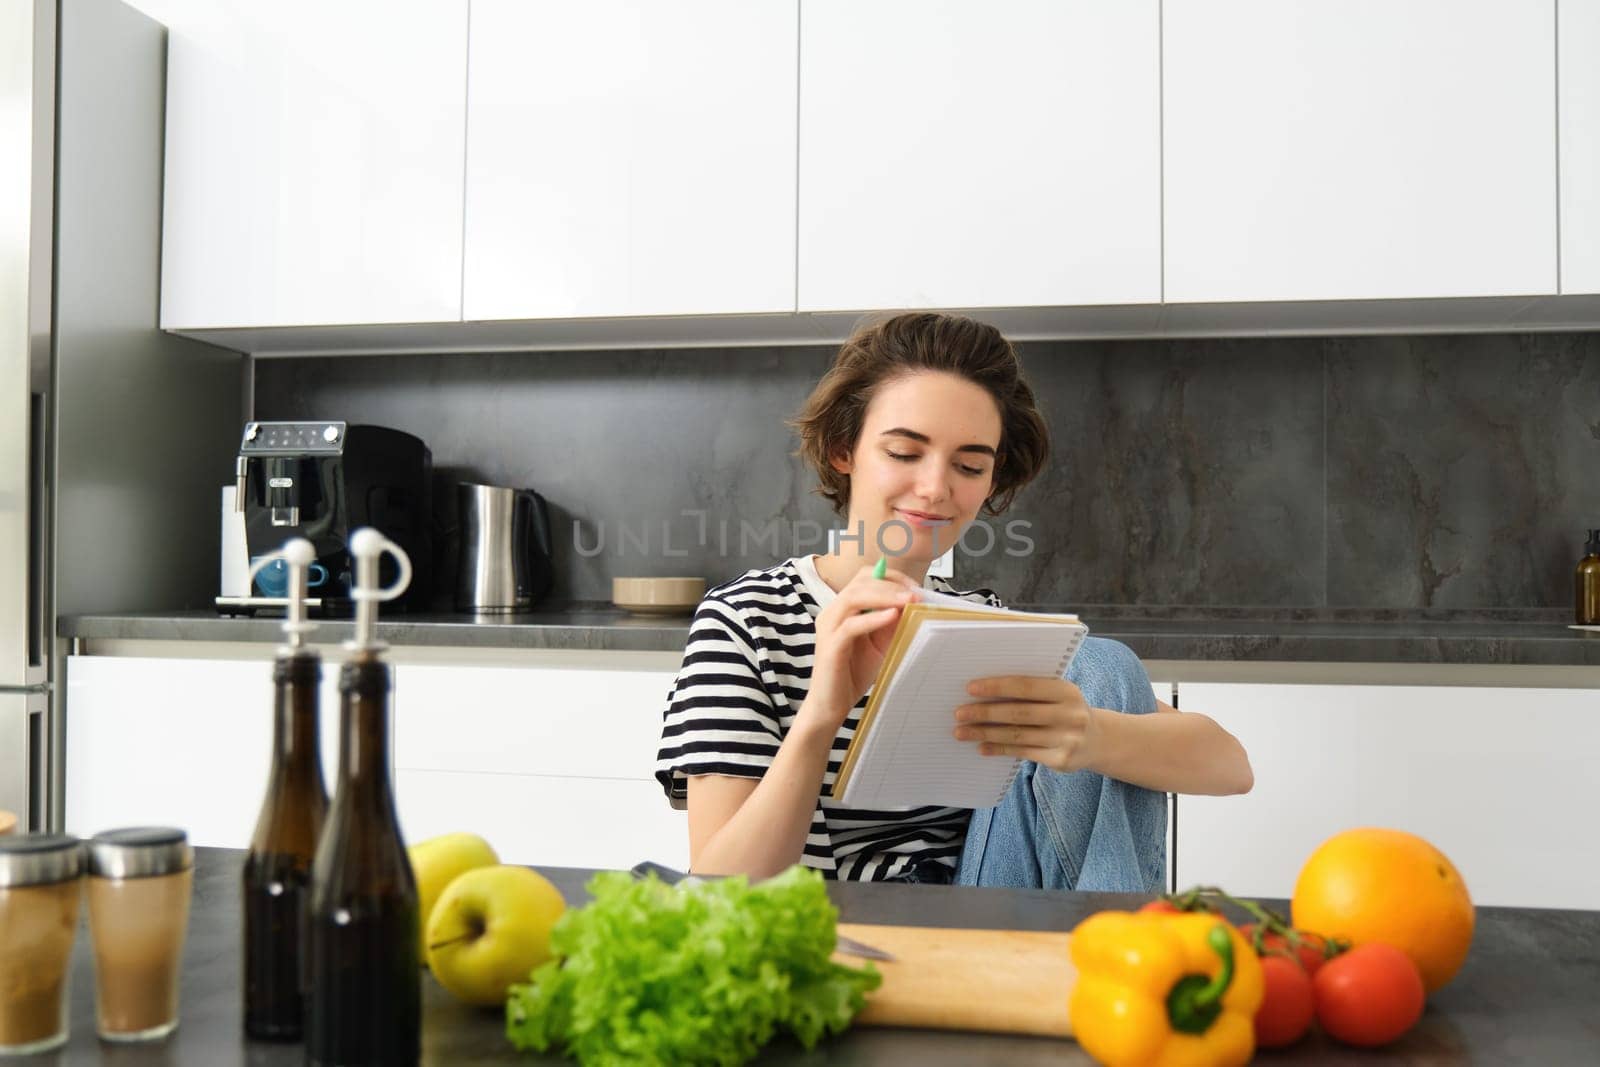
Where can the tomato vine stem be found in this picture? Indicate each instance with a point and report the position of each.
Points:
(1210, 898)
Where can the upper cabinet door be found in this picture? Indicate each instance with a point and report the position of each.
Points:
(1580, 146)
(313, 170)
(1343, 149)
(1002, 154)
(629, 157)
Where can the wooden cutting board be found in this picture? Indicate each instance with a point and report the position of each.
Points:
(997, 981)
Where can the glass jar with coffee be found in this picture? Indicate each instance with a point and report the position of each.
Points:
(40, 879)
(139, 884)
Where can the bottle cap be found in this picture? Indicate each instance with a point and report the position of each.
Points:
(39, 859)
(366, 547)
(298, 555)
(139, 852)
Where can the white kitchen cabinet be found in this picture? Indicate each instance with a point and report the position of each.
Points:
(630, 158)
(313, 162)
(1501, 780)
(554, 766)
(1579, 40)
(176, 742)
(965, 155)
(578, 722)
(547, 822)
(1330, 150)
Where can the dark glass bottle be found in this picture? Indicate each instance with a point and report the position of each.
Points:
(1588, 583)
(364, 1003)
(277, 871)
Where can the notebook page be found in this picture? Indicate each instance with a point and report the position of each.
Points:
(874, 739)
(911, 756)
(922, 752)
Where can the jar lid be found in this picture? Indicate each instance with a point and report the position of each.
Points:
(139, 852)
(38, 859)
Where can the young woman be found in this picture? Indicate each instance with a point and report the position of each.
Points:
(922, 422)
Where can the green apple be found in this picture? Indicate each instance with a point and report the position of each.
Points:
(490, 929)
(438, 861)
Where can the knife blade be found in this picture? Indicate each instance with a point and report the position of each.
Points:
(848, 945)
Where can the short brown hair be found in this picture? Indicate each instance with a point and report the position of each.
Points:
(876, 354)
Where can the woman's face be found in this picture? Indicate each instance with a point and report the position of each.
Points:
(924, 462)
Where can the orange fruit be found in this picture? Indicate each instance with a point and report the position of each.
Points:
(1392, 887)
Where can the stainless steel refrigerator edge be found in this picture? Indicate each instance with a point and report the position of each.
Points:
(114, 436)
(27, 176)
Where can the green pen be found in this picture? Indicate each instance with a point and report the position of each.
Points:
(879, 572)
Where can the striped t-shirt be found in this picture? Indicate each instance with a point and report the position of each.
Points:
(745, 672)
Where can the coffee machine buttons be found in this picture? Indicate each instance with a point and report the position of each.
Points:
(282, 438)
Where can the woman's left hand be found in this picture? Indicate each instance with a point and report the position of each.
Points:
(1042, 719)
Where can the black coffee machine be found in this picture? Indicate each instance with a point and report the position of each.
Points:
(321, 480)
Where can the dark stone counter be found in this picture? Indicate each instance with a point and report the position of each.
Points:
(1534, 638)
(1525, 995)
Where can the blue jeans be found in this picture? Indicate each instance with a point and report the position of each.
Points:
(1080, 830)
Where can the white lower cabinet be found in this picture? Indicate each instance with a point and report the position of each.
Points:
(553, 766)
(176, 742)
(1501, 780)
(546, 821)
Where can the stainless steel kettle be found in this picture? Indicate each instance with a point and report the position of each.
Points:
(505, 548)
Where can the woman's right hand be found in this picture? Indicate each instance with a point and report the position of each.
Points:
(853, 635)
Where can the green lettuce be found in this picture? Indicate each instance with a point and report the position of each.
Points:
(696, 973)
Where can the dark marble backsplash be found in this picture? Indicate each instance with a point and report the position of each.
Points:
(1430, 472)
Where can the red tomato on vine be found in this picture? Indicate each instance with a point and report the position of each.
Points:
(1369, 995)
(1287, 1005)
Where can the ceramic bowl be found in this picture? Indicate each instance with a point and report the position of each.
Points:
(657, 596)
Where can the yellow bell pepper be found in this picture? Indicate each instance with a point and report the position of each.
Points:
(1164, 990)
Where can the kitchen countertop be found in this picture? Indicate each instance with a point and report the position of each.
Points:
(1533, 638)
(1525, 995)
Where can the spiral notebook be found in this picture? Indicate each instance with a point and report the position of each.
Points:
(904, 751)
